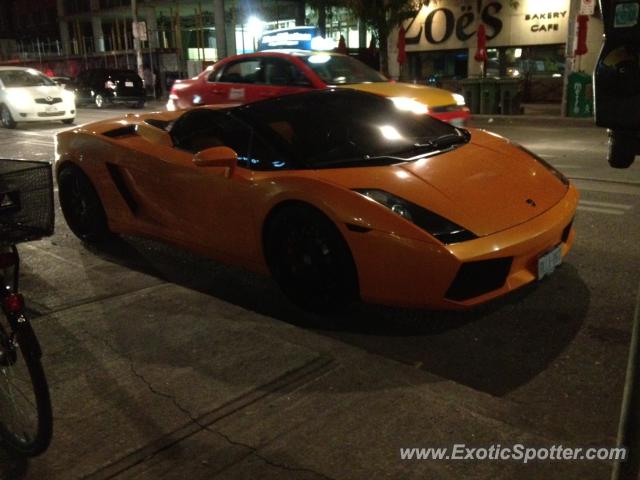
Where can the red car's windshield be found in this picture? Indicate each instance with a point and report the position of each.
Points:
(340, 69)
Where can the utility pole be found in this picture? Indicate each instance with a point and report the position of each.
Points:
(221, 34)
(136, 38)
(569, 60)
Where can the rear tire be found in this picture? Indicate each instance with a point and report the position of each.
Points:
(99, 101)
(310, 259)
(81, 206)
(6, 118)
(622, 150)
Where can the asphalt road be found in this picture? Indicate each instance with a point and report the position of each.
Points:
(553, 354)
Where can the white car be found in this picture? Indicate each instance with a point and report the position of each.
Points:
(27, 95)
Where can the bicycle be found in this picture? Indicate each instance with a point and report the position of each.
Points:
(26, 213)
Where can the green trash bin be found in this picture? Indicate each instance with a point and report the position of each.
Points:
(579, 95)
(489, 100)
(509, 96)
(481, 95)
(471, 93)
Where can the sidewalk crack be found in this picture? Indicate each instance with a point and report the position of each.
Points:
(252, 450)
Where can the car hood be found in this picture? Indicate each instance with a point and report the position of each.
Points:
(486, 186)
(430, 96)
(39, 91)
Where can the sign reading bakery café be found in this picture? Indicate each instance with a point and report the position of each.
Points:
(452, 24)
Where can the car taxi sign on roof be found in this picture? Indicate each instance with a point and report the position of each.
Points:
(299, 38)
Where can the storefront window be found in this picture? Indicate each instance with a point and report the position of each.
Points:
(531, 62)
(434, 67)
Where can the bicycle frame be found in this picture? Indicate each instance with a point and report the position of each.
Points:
(9, 261)
(12, 302)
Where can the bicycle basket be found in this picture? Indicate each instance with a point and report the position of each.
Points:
(26, 201)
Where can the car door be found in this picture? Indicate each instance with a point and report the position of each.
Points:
(204, 207)
(281, 77)
(236, 82)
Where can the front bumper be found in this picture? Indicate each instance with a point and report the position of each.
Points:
(393, 270)
(458, 117)
(35, 112)
(115, 98)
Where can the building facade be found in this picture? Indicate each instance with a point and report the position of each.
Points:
(178, 37)
(525, 39)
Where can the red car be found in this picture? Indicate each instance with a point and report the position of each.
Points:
(256, 76)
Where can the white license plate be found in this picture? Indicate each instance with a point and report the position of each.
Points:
(51, 108)
(548, 262)
(128, 84)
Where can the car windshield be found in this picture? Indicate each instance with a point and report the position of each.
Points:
(349, 128)
(341, 69)
(24, 78)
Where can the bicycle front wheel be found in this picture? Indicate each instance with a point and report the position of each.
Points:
(25, 406)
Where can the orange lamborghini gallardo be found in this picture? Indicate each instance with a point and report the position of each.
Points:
(339, 194)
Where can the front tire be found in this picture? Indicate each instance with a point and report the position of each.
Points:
(26, 429)
(68, 121)
(6, 118)
(81, 206)
(310, 259)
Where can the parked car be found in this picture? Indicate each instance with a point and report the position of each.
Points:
(102, 87)
(339, 194)
(62, 81)
(271, 73)
(27, 95)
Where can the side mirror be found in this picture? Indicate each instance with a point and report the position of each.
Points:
(217, 157)
(154, 134)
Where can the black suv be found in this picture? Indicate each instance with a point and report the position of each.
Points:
(103, 86)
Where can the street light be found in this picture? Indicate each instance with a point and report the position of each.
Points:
(255, 27)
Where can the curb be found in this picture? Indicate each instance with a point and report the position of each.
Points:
(535, 119)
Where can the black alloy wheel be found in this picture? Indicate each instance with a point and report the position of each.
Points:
(310, 259)
(81, 206)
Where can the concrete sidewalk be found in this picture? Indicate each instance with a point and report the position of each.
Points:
(166, 382)
(154, 380)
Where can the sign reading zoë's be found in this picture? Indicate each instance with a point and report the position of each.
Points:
(452, 24)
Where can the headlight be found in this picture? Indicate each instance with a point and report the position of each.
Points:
(460, 101)
(558, 174)
(407, 104)
(19, 98)
(69, 96)
(441, 228)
